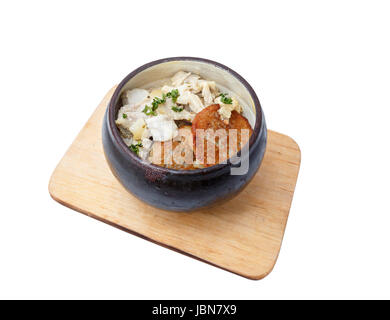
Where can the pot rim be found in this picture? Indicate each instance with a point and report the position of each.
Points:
(259, 124)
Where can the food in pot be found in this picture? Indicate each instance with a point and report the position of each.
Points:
(186, 123)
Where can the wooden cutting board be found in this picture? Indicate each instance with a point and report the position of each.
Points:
(243, 235)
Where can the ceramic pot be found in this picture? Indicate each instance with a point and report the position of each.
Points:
(184, 190)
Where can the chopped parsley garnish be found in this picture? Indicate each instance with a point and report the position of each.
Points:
(174, 94)
(124, 115)
(149, 111)
(135, 147)
(156, 101)
(225, 99)
(177, 109)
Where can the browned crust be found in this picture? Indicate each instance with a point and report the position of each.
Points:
(209, 118)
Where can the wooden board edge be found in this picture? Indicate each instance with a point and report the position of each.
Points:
(72, 207)
(298, 150)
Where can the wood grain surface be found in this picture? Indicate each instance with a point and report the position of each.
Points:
(243, 235)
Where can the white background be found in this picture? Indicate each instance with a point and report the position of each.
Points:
(322, 73)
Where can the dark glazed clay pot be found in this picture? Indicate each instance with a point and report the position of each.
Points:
(182, 190)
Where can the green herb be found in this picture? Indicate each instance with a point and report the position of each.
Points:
(124, 115)
(225, 99)
(135, 147)
(150, 111)
(177, 109)
(156, 102)
(174, 94)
